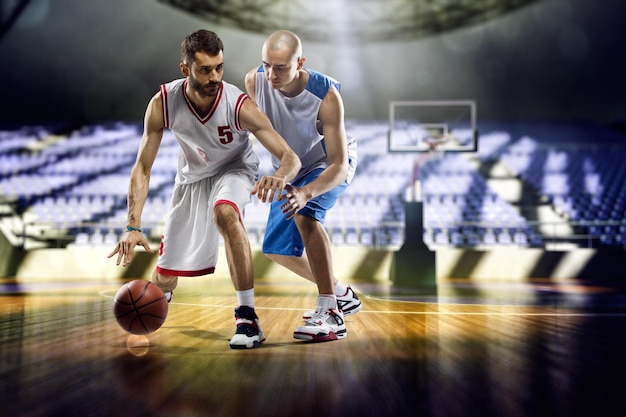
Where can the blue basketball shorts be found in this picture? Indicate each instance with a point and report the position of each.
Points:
(281, 235)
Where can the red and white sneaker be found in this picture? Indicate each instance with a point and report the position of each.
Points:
(348, 303)
(323, 326)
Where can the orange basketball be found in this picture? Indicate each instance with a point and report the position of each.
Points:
(140, 307)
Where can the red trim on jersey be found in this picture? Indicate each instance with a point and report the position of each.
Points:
(230, 203)
(166, 115)
(240, 100)
(216, 103)
(177, 273)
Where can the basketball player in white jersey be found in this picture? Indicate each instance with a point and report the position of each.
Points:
(305, 107)
(216, 174)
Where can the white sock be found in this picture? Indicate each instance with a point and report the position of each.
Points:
(246, 297)
(327, 301)
(340, 289)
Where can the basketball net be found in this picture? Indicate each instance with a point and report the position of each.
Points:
(434, 145)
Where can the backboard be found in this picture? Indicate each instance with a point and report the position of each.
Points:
(415, 125)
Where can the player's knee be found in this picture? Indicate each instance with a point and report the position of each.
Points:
(224, 215)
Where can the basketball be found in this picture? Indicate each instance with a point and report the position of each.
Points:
(140, 307)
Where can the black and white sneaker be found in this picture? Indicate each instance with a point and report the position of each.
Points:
(249, 333)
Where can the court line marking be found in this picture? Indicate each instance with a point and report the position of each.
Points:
(419, 313)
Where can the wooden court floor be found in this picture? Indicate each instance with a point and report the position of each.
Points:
(537, 349)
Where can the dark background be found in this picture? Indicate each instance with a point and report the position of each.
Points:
(89, 61)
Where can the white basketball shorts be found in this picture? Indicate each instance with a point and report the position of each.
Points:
(190, 240)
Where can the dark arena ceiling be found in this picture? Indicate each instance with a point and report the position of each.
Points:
(349, 20)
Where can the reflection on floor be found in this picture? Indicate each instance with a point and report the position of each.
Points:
(539, 348)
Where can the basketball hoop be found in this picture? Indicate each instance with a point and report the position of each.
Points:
(434, 145)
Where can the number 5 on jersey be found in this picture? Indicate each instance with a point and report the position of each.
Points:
(226, 136)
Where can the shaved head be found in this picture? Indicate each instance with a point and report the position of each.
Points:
(283, 62)
(283, 39)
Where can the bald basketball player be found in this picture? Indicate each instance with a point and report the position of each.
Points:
(306, 108)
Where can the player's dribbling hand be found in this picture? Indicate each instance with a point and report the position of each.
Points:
(268, 186)
(126, 247)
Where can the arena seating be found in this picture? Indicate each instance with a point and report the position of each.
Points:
(71, 189)
(580, 171)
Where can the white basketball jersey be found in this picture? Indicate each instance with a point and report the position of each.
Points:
(208, 143)
(295, 118)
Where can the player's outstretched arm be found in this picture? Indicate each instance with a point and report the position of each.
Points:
(331, 120)
(333, 128)
(139, 182)
(253, 119)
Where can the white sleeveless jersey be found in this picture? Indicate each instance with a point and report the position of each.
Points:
(211, 143)
(295, 118)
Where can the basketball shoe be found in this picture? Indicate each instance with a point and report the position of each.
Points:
(348, 303)
(323, 326)
(249, 333)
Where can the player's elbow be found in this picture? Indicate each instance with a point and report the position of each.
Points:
(344, 171)
(341, 170)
